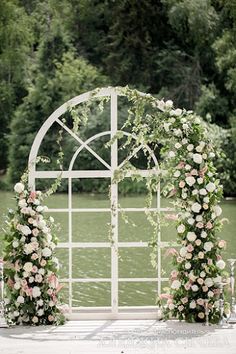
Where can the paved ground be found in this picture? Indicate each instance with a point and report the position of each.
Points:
(122, 336)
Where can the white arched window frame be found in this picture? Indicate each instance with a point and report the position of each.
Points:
(113, 311)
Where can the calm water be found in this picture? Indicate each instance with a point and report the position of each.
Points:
(96, 262)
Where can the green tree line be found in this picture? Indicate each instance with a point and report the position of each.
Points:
(51, 50)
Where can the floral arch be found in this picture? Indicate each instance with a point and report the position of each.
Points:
(187, 169)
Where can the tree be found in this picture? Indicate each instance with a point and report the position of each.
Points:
(15, 49)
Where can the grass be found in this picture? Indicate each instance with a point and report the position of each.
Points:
(96, 262)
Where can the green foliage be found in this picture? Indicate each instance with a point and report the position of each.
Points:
(69, 76)
(183, 50)
(15, 48)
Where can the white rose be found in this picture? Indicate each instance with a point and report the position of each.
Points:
(39, 208)
(17, 285)
(190, 180)
(194, 287)
(167, 126)
(195, 192)
(31, 279)
(183, 251)
(175, 284)
(171, 154)
(210, 187)
(191, 221)
(41, 224)
(192, 304)
(19, 187)
(196, 207)
(199, 218)
(178, 145)
(20, 300)
(220, 264)
(210, 293)
(25, 230)
(181, 229)
(45, 230)
(209, 282)
(197, 120)
(200, 180)
(35, 319)
(208, 246)
(202, 274)
(212, 155)
(206, 200)
(191, 236)
(169, 104)
(40, 312)
(171, 306)
(190, 147)
(22, 203)
(28, 267)
(187, 265)
(199, 148)
(41, 271)
(40, 302)
(184, 141)
(197, 158)
(188, 167)
(51, 219)
(177, 174)
(203, 234)
(185, 126)
(28, 248)
(202, 191)
(217, 210)
(217, 279)
(178, 112)
(36, 292)
(46, 252)
(15, 243)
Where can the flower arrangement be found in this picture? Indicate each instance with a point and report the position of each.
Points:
(30, 268)
(191, 178)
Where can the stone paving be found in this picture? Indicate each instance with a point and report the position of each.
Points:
(121, 336)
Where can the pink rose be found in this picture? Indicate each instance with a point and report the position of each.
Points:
(218, 257)
(209, 261)
(49, 291)
(200, 301)
(200, 281)
(190, 248)
(198, 242)
(181, 165)
(174, 274)
(184, 300)
(35, 232)
(187, 286)
(51, 318)
(209, 225)
(43, 263)
(203, 171)
(205, 288)
(34, 269)
(194, 172)
(200, 225)
(221, 243)
(34, 256)
(200, 255)
(181, 184)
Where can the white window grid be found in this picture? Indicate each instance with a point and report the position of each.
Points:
(113, 311)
